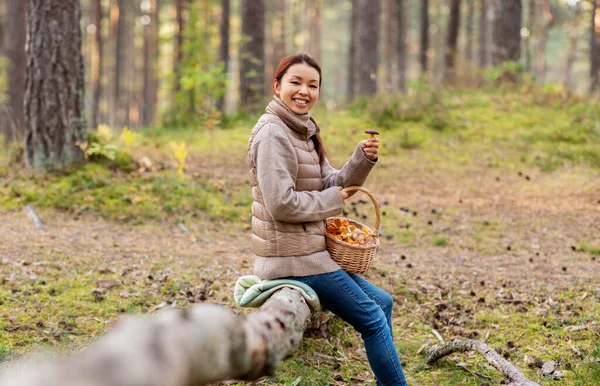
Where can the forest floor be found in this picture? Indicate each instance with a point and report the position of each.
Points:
(479, 239)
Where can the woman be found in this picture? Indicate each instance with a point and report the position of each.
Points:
(294, 190)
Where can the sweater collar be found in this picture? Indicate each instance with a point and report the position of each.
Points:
(302, 124)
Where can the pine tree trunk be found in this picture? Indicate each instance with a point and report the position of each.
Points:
(529, 43)
(569, 81)
(483, 33)
(368, 46)
(424, 37)
(595, 49)
(2, 29)
(96, 63)
(452, 41)
(147, 70)
(15, 50)
(401, 43)
(469, 36)
(388, 44)
(542, 30)
(252, 55)
(180, 9)
(351, 87)
(507, 31)
(54, 96)
(224, 47)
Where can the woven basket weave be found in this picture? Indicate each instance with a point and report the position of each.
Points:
(354, 258)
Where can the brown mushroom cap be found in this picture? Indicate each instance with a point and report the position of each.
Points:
(371, 131)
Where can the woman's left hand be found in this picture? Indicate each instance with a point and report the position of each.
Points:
(371, 148)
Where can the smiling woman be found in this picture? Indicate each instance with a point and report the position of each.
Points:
(294, 190)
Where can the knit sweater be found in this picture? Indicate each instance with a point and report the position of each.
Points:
(293, 194)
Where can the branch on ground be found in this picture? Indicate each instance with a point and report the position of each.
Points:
(512, 373)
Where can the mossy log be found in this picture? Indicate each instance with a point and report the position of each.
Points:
(200, 345)
(512, 373)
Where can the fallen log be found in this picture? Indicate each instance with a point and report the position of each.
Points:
(511, 372)
(200, 345)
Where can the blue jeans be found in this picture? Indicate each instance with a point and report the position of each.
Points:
(368, 309)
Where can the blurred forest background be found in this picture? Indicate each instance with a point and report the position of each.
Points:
(164, 62)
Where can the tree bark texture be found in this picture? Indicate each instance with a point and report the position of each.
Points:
(14, 41)
(224, 46)
(483, 33)
(513, 374)
(401, 43)
(507, 31)
(424, 48)
(595, 49)
(54, 91)
(96, 62)
(368, 46)
(203, 344)
(452, 41)
(252, 54)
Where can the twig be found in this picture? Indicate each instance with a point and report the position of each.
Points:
(438, 336)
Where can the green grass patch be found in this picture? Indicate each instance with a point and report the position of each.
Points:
(593, 250)
(440, 241)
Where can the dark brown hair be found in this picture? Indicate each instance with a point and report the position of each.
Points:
(284, 65)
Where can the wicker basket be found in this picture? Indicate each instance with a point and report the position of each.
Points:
(354, 258)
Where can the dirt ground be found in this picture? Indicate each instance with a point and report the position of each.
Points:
(536, 222)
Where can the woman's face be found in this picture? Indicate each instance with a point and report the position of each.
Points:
(299, 88)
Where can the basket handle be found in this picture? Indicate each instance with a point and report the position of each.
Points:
(375, 203)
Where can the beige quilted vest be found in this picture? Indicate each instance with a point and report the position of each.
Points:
(272, 238)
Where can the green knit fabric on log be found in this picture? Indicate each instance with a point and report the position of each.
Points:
(252, 291)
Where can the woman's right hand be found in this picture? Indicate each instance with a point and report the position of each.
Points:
(344, 194)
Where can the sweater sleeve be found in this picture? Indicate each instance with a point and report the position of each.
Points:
(276, 165)
(354, 172)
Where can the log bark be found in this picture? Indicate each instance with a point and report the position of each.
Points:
(203, 344)
(512, 373)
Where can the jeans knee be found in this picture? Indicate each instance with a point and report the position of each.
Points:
(372, 323)
(388, 302)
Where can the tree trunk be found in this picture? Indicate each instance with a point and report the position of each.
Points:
(507, 31)
(2, 29)
(314, 29)
(542, 31)
(15, 50)
(568, 80)
(54, 91)
(252, 55)
(368, 46)
(452, 41)
(118, 19)
(96, 63)
(529, 42)
(401, 43)
(595, 49)
(388, 44)
(180, 9)
(424, 36)
(469, 36)
(147, 69)
(224, 47)
(352, 68)
(483, 33)
(203, 344)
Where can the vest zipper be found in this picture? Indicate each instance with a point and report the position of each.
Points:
(304, 227)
